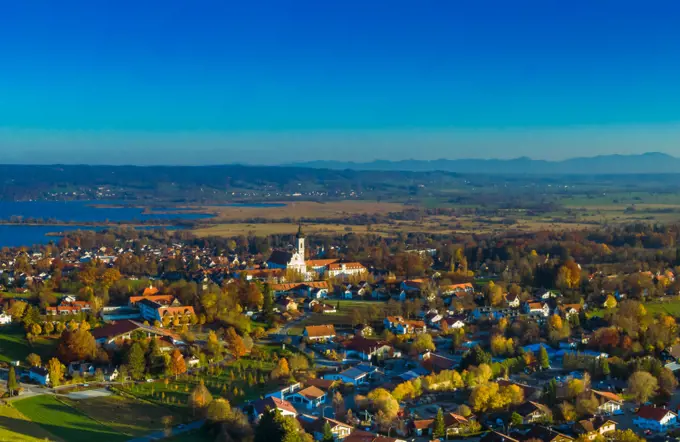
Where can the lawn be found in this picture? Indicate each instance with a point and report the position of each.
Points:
(15, 347)
(343, 317)
(14, 426)
(64, 421)
(124, 415)
(670, 307)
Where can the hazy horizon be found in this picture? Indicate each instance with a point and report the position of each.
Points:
(275, 82)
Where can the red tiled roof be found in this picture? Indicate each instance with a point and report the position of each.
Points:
(161, 299)
(317, 331)
(653, 413)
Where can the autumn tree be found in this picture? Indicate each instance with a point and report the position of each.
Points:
(234, 343)
(439, 426)
(381, 400)
(56, 371)
(282, 370)
(642, 386)
(33, 360)
(543, 358)
(12, 384)
(76, 345)
(177, 364)
(218, 410)
(136, 361)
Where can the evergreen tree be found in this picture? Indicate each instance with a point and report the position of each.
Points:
(12, 384)
(604, 367)
(543, 358)
(327, 433)
(516, 419)
(439, 427)
(136, 361)
(268, 304)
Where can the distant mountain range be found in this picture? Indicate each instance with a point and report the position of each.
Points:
(647, 163)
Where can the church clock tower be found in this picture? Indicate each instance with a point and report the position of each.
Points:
(300, 242)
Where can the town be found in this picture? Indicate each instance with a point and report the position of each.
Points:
(551, 338)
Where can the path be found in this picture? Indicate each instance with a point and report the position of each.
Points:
(162, 434)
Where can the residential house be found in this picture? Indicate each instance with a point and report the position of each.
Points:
(512, 300)
(154, 311)
(286, 304)
(610, 403)
(311, 397)
(5, 318)
(283, 392)
(655, 418)
(39, 375)
(453, 322)
(115, 333)
(345, 269)
(319, 332)
(69, 308)
(495, 436)
(533, 412)
(451, 289)
(354, 376)
(160, 299)
(363, 330)
(366, 349)
(365, 436)
(545, 434)
(569, 310)
(437, 363)
(339, 429)
(537, 308)
(401, 326)
(81, 368)
(271, 403)
(594, 427)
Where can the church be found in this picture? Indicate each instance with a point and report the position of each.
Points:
(294, 260)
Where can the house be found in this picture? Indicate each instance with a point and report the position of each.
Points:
(5, 318)
(69, 308)
(545, 434)
(271, 403)
(401, 326)
(354, 376)
(81, 368)
(594, 427)
(345, 269)
(453, 423)
(513, 300)
(495, 436)
(422, 427)
(363, 330)
(160, 299)
(154, 311)
(115, 333)
(674, 352)
(286, 304)
(533, 412)
(339, 429)
(437, 363)
(283, 392)
(39, 375)
(319, 332)
(110, 374)
(610, 403)
(537, 308)
(366, 349)
(451, 289)
(655, 418)
(311, 397)
(453, 322)
(365, 436)
(569, 310)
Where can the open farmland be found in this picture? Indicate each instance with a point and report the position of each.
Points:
(64, 421)
(124, 415)
(15, 427)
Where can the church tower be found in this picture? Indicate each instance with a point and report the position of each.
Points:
(300, 241)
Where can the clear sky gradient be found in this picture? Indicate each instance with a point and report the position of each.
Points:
(275, 81)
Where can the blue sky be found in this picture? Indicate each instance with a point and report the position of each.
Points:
(278, 81)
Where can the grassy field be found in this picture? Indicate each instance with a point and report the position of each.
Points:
(15, 427)
(64, 421)
(305, 209)
(341, 319)
(124, 415)
(669, 307)
(15, 347)
(175, 394)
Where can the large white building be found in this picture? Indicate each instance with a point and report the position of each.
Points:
(312, 269)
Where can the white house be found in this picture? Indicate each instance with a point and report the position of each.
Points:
(401, 326)
(541, 308)
(352, 376)
(655, 418)
(311, 397)
(319, 332)
(272, 403)
(39, 375)
(281, 393)
(5, 318)
(610, 403)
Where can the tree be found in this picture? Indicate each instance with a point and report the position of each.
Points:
(516, 419)
(12, 384)
(475, 357)
(274, 427)
(381, 400)
(298, 362)
(76, 345)
(327, 433)
(234, 343)
(219, 410)
(423, 342)
(56, 371)
(610, 302)
(543, 358)
(567, 411)
(439, 427)
(177, 364)
(338, 405)
(33, 360)
(281, 370)
(136, 361)
(268, 304)
(642, 386)
(667, 382)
